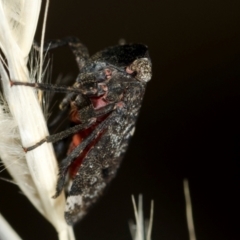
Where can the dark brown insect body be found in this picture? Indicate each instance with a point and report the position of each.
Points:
(104, 104)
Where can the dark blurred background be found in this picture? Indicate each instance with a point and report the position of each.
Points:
(189, 121)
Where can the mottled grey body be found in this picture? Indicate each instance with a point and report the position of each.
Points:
(102, 162)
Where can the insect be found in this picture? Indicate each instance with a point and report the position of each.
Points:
(103, 104)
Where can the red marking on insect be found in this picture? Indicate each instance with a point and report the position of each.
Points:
(76, 140)
(99, 102)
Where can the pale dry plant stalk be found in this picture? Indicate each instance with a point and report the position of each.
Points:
(189, 215)
(142, 229)
(21, 119)
(8, 232)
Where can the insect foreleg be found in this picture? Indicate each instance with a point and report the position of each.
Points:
(46, 87)
(78, 49)
(66, 101)
(87, 84)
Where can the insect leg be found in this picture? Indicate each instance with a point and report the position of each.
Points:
(78, 49)
(46, 87)
(66, 100)
(61, 135)
(89, 118)
(86, 84)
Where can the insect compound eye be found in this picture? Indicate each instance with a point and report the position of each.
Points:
(143, 69)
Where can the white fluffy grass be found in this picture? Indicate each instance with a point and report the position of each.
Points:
(21, 119)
